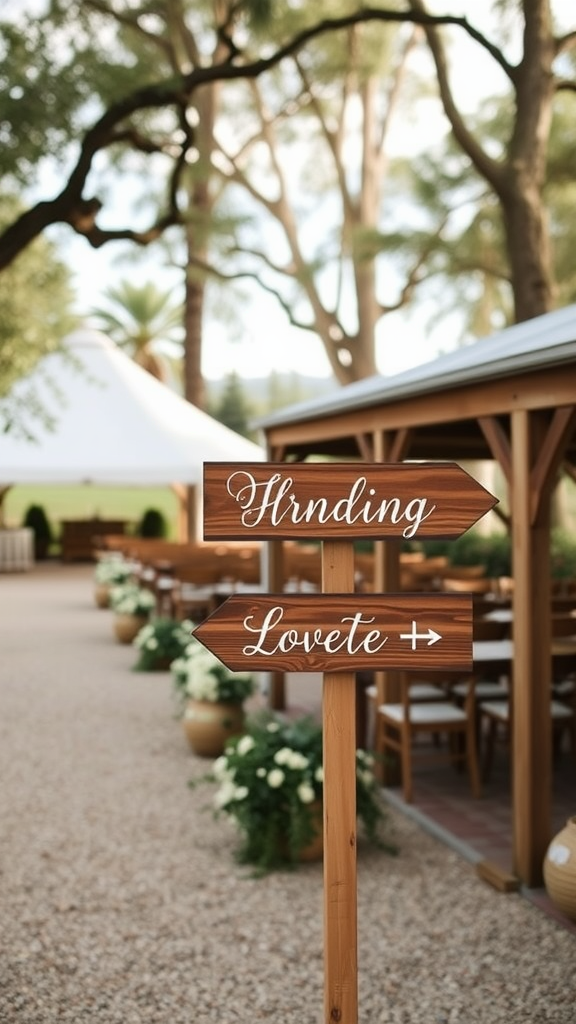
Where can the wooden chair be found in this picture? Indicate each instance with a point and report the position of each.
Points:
(484, 689)
(398, 727)
(467, 584)
(496, 720)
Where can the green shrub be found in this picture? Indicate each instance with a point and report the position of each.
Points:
(35, 518)
(563, 555)
(152, 524)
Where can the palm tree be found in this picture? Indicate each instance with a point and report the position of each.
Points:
(139, 318)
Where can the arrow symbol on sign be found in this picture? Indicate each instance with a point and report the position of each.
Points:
(431, 636)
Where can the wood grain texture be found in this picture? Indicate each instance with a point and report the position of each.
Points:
(340, 846)
(341, 632)
(327, 501)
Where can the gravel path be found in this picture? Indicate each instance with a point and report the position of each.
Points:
(120, 901)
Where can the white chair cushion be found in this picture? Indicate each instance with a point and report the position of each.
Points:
(426, 691)
(501, 710)
(482, 691)
(563, 688)
(560, 711)
(431, 712)
(418, 691)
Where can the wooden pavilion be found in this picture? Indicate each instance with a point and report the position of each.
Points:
(510, 398)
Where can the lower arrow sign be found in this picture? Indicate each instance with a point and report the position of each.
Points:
(430, 635)
(341, 632)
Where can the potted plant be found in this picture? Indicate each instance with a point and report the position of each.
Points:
(211, 698)
(160, 642)
(270, 783)
(35, 518)
(110, 571)
(132, 606)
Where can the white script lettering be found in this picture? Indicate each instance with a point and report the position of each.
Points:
(332, 641)
(276, 498)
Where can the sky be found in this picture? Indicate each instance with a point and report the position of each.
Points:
(268, 343)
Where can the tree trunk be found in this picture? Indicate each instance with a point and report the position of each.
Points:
(194, 387)
(529, 251)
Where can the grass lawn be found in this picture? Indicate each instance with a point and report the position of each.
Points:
(85, 501)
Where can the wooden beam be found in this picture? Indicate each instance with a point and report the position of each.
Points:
(549, 459)
(531, 678)
(499, 444)
(365, 447)
(399, 445)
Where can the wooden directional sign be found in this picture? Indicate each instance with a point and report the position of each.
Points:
(340, 500)
(341, 632)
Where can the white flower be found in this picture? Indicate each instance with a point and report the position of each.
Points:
(220, 769)
(260, 772)
(201, 686)
(273, 726)
(245, 744)
(305, 793)
(365, 759)
(366, 778)
(152, 643)
(241, 792)
(319, 774)
(275, 778)
(297, 761)
(225, 794)
(283, 755)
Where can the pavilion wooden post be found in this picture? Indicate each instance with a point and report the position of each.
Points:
(339, 757)
(531, 725)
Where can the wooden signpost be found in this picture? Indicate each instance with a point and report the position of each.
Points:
(340, 632)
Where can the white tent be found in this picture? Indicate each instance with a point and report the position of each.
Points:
(113, 424)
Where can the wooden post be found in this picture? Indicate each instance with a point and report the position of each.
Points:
(531, 726)
(339, 756)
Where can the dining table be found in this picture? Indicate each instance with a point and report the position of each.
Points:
(498, 655)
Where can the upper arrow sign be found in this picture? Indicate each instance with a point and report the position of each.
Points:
(341, 632)
(340, 500)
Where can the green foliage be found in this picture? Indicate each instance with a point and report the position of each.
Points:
(35, 299)
(494, 552)
(161, 641)
(563, 555)
(152, 524)
(89, 501)
(131, 599)
(36, 519)
(473, 548)
(112, 569)
(140, 318)
(232, 409)
(200, 675)
(270, 782)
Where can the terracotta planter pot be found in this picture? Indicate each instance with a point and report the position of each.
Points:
(560, 869)
(315, 848)
(127, 627)
(209, 725)
(101, 595)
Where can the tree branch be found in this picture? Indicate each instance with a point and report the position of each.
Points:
(70, 206)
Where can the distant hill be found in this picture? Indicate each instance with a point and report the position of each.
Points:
(267, 394)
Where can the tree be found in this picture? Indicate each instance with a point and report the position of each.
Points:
(153, 118)
(314, 137)
(36, 302)
(232, 408)
(121, 126)
(517, 175)
(139, 318)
